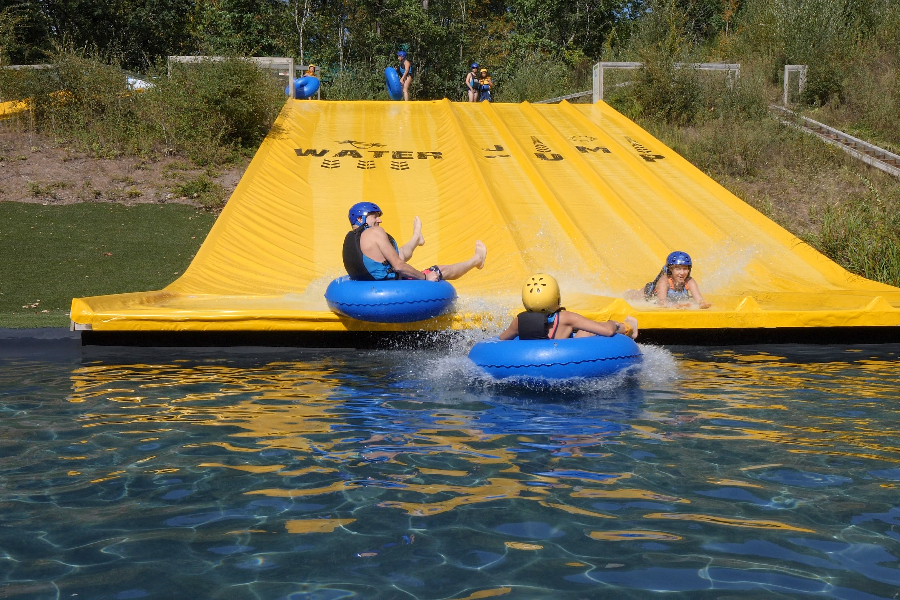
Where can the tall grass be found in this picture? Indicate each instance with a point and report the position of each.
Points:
(540, 77)
(356, 84)
(209, 111)
(863, 236)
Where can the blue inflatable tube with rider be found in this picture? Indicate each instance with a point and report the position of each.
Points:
(394, 87)
(586, 357)
(390, 301)
(304, 87)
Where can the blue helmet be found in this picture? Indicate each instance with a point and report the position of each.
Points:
(401, 54)
(473, 66)
(678, 258)
(360, 210)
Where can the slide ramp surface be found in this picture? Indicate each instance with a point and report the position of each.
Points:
(577, 191)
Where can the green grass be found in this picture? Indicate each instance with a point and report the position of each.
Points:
(52, 254)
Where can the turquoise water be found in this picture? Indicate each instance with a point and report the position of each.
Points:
(714, 473)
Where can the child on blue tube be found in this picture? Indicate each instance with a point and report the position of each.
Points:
(673, 286)
(545, 319)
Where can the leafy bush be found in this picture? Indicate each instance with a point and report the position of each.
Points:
(537, 77)
(823, 82)
(863, 236)
(356, 84)
(202, 189)
(207, 110)
(211, 107)
(668, 92)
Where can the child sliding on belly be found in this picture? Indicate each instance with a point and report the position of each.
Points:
(545, 319)
(674, 285)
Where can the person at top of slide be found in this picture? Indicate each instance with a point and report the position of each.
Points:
(485, 84)
(370, 253)
(310, 71)
(472, 82)
(545, 319)
(406, 72)
(673, 286)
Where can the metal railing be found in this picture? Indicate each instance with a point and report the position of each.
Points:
(788, 69)
(600, 67)
(868, 153)
(566, 97)
(20, 67)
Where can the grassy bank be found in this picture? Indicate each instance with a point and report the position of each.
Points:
(842, 207)
(839, 205)
(54, 253)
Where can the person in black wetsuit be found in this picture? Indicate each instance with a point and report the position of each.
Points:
(371, 254)
(545, 319)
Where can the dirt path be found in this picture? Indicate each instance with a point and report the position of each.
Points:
(35, 169)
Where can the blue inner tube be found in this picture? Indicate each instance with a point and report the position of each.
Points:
(394, 87)
(304, 87)
(595, 356)
(389, 301)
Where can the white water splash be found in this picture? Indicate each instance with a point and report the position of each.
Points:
(727, 265)
(451, 368)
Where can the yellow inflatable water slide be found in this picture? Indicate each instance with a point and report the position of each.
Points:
(577, 191)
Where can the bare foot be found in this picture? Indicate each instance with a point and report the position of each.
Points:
(634, 327)
(417, 232)
(705, 305)
(480, 254)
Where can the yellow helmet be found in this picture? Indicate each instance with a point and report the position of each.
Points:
(541, 293)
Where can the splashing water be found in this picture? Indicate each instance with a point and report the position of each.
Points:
(727, 265)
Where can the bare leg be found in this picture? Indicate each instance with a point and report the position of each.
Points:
(457, 270)
(407, 249)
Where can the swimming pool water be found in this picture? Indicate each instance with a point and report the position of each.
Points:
(749, 472)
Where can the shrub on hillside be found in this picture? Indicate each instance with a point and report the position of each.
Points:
(206, 107)
(356, 84)
(823, 83)
(537, 77)
(864, 237)
(206, 110)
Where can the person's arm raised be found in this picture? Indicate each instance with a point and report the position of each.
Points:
(397, 263)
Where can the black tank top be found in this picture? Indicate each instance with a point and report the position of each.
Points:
(353, 255)
(535, 325)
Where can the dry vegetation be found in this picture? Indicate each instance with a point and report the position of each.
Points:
(35, 168)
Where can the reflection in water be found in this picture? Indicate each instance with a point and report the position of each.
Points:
(402, 474)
